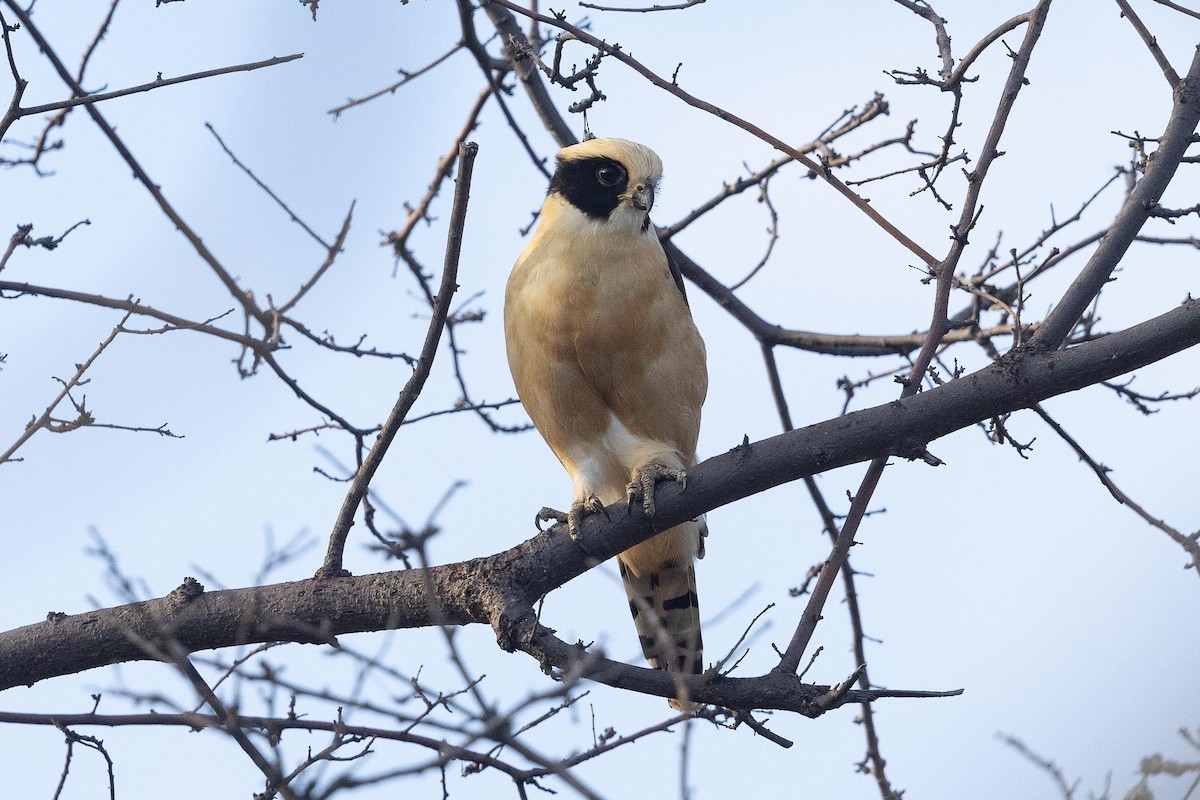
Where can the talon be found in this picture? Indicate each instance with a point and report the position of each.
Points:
(546, 515)
(581, 508)
(646, 478)
(594, 505)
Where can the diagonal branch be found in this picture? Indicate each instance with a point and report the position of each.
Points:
(938, 327)
(1151, 43)
(1191, 544)
(362, 479)
(1179, 8)
(1133, 214)
(244, 298)
(44, 420)
(279, 202)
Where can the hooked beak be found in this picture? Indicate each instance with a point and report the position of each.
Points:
(643, 197)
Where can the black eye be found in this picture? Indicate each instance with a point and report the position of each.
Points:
(610, 174)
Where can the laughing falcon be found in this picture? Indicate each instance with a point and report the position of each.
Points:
(611, 369)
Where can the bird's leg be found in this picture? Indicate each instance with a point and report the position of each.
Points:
(645, 478)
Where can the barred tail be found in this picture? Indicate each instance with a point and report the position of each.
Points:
(666, 611)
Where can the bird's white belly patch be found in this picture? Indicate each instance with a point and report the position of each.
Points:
(603, 467)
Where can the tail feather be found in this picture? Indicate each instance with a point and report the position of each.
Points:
(666, 612)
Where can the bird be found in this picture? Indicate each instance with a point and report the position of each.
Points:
(611, 369)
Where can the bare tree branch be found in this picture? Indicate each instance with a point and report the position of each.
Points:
(158, 83)
(1151, 43)
(362, 479)
(1133, 215)
(1179, 8)
(944, 272)
(244, 298)
(501, 589)
(672, 88)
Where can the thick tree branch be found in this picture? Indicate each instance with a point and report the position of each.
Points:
(500, 589)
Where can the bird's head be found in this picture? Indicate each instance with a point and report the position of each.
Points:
(611, 180)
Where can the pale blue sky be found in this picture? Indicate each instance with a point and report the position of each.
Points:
(1067, 620)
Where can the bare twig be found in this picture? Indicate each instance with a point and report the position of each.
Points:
(250, 174)
(398, 240)
(362, 479)
(1151, 43)
(764, 197)
(1190, 544)
(645, 9)
(1067, 790)
(922, 9)
(46, 418)
(157, 83)
(332, 252)
(90, 742)
(405, 78)
(22, 239)
(1181, 9)
(19, 84)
